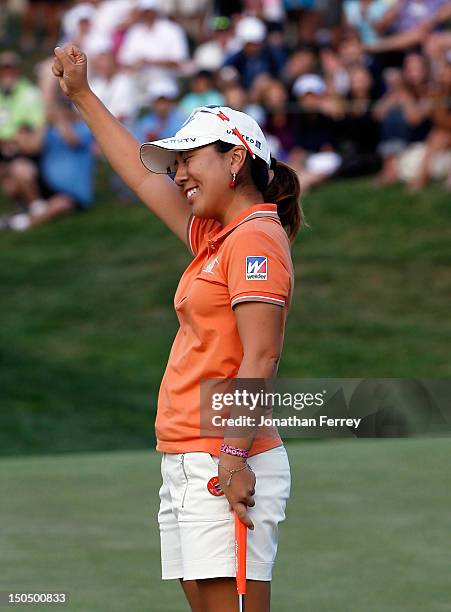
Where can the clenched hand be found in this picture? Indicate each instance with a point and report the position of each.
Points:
(70, 68)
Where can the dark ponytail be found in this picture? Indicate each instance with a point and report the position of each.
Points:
(284, 190)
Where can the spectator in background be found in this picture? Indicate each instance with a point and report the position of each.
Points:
(165, 117)
(411, 21)
(154, 47)
(43, 13)
(110, 17)
(358, 129)
(315, 157)
(65, 180)
(115, 88)
(92, 23)
(434, 50)
(416, 77)
(366, 16)
(20, 102)
(403, 113)
(4, 18)
(439, 139)
(316, 129)
(302, 61)
(255, 57)
(202, 92)
(335, 74)
(390, 112)
(190, 14)
(229, 8)
(306, 16)
(22, 117)
(81, 33)
(236, 97)
(212, 54)
(408, 15)
(81, 11)
(279, 123)
(352, 53)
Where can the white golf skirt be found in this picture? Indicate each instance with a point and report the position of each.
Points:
(197, 528)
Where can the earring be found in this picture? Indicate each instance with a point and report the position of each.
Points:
(232, 182)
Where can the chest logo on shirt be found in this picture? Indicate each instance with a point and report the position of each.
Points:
(256, 267)
(209, 267)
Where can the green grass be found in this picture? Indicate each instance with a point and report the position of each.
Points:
(87, 319)
(367, 529)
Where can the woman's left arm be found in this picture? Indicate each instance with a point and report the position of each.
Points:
(260, 326)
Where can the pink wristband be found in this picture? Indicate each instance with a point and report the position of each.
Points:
(233, 450)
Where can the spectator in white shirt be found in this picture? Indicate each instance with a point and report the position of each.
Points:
(116, 89)
(75, 19)
(110, 15)
(212, 54)
(154, 48)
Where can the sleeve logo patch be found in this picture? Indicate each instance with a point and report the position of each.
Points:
(256, 267)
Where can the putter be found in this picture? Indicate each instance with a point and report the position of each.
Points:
(240, 560)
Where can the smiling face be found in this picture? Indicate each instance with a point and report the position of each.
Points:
(203, 175)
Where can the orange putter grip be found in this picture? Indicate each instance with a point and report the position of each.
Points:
(240, 555)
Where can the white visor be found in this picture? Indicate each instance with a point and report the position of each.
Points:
(206, 125)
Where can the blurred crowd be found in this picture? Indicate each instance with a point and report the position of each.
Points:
(342, 88)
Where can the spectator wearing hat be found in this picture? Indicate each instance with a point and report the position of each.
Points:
(202, 93)
(154, 46)
(316, 130)
(315, 156)
(77, 20)
(255, 57)
(165, 116)
(212, 54)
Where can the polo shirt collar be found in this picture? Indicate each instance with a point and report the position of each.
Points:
(253, 212)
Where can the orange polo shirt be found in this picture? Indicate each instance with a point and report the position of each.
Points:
(247, 260)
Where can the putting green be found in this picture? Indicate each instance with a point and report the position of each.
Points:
(367, 530)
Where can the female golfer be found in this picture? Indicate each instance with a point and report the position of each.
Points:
(229, 202)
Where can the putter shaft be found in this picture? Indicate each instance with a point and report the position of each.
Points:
(241, 601)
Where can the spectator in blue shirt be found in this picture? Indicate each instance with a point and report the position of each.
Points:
(255, 57)
(67, 161)
(64, 182)
(202, 93)
(165, 117)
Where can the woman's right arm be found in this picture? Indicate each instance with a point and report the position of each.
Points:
(159, 193)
